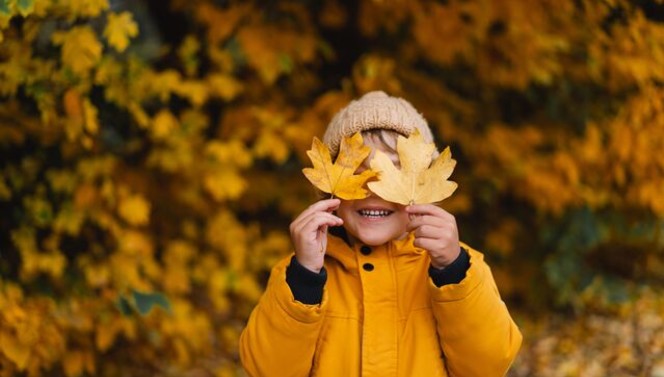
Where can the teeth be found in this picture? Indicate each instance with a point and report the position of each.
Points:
(375, 212)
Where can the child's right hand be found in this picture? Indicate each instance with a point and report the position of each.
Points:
(309, 233)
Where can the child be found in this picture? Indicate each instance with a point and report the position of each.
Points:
(376, 288)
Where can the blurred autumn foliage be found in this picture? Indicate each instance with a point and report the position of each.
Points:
(152, 155)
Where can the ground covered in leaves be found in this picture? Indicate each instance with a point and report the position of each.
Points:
(627, 342)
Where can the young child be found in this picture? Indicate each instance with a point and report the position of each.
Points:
(376, 288)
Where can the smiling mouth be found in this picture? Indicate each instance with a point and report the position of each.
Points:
(374, 213)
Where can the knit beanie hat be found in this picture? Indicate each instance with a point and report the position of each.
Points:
(375, 110)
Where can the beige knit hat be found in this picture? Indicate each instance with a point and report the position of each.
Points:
(375, 110)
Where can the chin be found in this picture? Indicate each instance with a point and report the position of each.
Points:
(374, 239)
(373, 242)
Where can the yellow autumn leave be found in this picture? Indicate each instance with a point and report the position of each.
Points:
(339, 178)
(81, 50)
(88, 8)
(418, 181)
(119, 29)
(135, 210)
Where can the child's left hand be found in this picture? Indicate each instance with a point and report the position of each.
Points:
(435, 231)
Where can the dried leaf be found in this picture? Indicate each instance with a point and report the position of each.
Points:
(418, 181)
(339, 179)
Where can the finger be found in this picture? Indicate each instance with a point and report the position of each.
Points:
(314, 235)
(427, 243)
(427, 209)
(326, 205)
(311, 224)
(429, 231)
(303, 224)
(441, 235)
(419, 221)
(434, 243)
(322, 231)
(321, 206)
(301, 220)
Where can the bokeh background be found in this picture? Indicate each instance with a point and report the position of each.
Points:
(152, 155)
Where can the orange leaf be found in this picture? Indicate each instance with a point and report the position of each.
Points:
(14, 350)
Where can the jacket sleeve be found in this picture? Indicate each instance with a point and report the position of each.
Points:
(475, 330)
(281, 334)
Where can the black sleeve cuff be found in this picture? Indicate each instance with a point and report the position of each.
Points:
(452, 274)
(306, 286)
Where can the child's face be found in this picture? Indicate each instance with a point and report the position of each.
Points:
(374, 221)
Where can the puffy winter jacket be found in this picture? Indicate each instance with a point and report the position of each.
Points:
(381, 315)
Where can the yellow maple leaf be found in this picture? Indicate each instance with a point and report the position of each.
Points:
(418, 181)
(80, 48)
(196, 91)
(85, 8)
(270, 144)
(119, 28)
(224, 86)
(163, 125)
(225, 183)
(339, 178)
(135, 210)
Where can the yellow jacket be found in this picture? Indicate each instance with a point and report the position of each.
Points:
(391, 321)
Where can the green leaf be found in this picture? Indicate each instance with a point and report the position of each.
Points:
(4, 7)
(25, 7)
(146, 301)
(124, 306)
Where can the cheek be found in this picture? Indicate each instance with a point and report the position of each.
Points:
(344, 211)
(403, 218)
